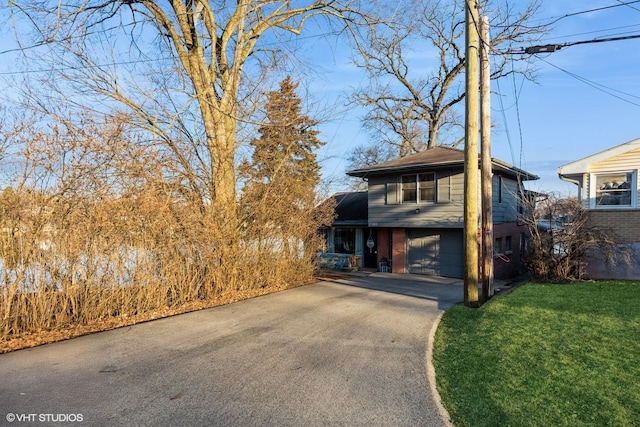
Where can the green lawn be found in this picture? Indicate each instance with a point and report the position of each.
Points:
(544, 355)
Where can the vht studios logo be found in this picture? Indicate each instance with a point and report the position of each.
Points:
(44, 418)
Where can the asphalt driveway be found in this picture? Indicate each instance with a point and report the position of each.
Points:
(349, 352)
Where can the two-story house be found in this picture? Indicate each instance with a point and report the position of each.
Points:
(608, 187)
(415, 214)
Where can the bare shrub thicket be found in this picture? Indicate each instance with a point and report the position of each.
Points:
(561, 238)
(95, 226)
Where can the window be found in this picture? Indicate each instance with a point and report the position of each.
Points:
(524, 245)
(418, 188)
(497, 247)
(409, 185)
(344, 241)
(499, 189)
(427, 185)
(507, 245)
(614, 189)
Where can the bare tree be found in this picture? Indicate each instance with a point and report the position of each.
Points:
(415, 67)
(183, 68)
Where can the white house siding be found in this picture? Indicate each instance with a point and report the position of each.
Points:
(625, 161)
(628, 161)
(583, 190)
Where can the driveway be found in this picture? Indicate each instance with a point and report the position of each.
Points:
(348, 352)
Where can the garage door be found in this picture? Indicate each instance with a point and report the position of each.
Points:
(435, 251)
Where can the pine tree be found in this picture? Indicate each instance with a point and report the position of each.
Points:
(279, 195)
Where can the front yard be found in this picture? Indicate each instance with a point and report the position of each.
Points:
(561, 355)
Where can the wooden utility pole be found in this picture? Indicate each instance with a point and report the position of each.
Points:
(472, 40)
(486, 175)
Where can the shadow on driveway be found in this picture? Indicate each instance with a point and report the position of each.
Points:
(445, 291)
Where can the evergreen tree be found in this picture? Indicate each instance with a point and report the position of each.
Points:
(279, 194)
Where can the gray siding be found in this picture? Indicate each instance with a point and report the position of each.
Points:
(387, 210)
(507, 209)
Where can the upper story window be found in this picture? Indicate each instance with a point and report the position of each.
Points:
(614, 189)
(418, 188)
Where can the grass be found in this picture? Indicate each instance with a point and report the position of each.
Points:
(544, 355)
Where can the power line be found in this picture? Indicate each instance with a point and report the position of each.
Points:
(548, 48)
(634, 8)
(597, 86)
(82, 67)
(624, 27)
(137, 61)
(569, 15)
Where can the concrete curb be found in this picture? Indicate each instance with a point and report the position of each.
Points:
(431, 373)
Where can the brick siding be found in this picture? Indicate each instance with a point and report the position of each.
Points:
(399, 250)
(510, 265)
(625, 224)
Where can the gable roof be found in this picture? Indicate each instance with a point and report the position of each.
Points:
(435, 158)
(582, 165)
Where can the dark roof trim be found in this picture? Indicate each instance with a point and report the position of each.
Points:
(524, 175)
(437, 158)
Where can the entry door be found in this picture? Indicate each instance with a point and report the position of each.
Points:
(370, 255)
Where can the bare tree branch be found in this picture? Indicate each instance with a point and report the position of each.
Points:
(416, 65)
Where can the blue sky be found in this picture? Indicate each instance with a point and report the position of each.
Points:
(561, 118)
(587, 97)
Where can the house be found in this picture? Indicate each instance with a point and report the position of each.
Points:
(415, 214)
(608, 187)
(349, 232)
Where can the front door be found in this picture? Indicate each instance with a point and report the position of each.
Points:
(370, 255)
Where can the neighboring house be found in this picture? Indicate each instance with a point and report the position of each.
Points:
(415, 214)
(608, 186)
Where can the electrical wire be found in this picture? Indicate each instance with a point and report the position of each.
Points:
(608, 39)
(516, 94)
(546, 23)
(566, 36)
(623, 4)
(597, 86)
(505, 122)
(597, 9)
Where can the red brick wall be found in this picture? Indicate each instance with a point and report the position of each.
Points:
(398, 250)
(383, 243)
(508, 265)
(625, 224)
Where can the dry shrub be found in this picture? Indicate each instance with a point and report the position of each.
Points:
(115, 236)
(561, 238)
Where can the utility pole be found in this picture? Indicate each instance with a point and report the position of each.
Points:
(470, 234)
(486, 172)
